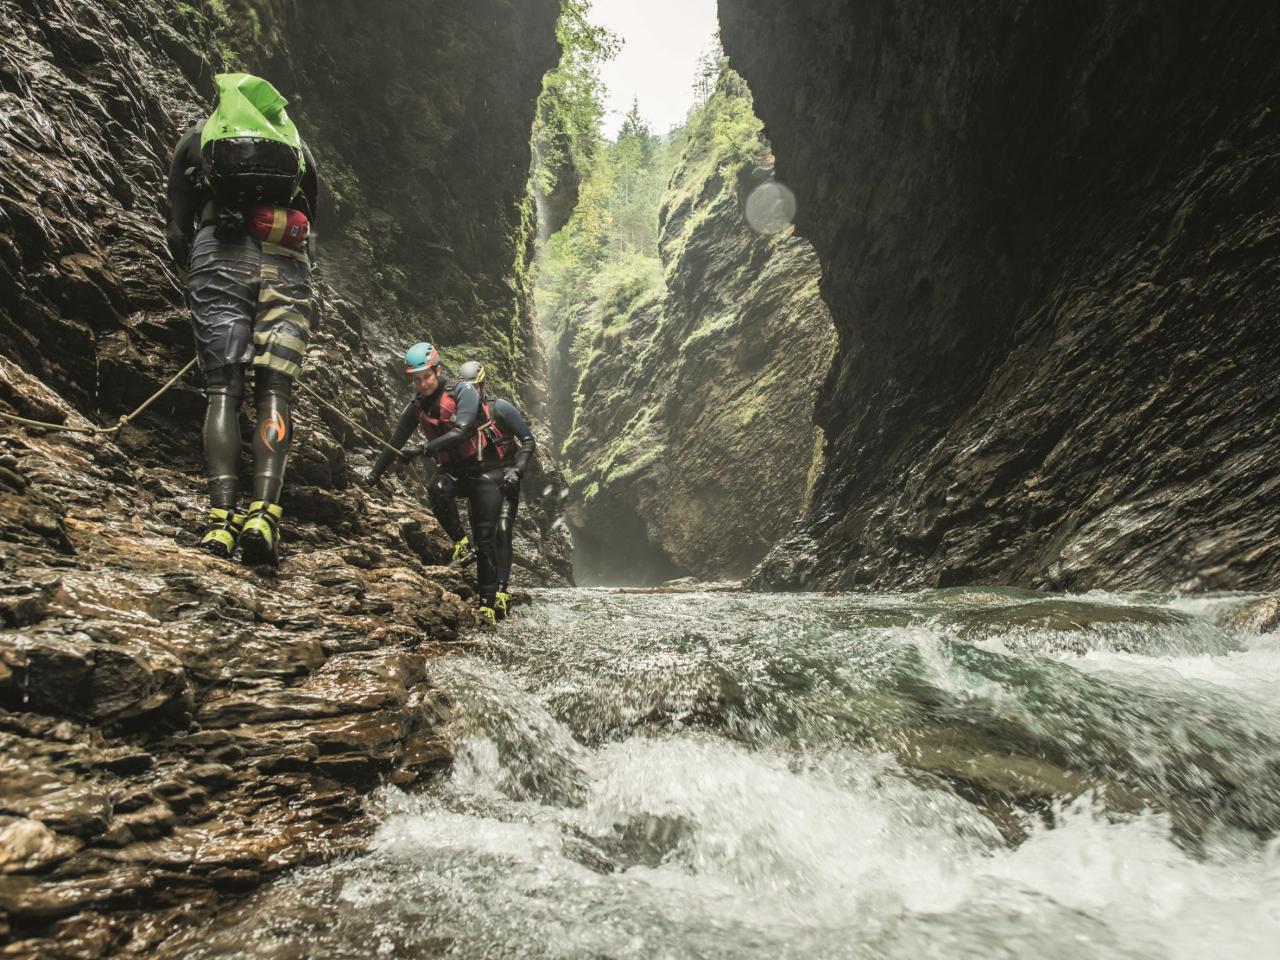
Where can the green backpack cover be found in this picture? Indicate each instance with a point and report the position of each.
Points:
(252, 152)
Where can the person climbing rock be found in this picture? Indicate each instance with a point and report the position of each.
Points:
(242, 205)
(448, 411)
(507, 444)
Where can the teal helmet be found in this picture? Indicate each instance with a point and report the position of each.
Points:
(473, 372)
(421, 356)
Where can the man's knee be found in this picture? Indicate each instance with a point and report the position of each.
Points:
(442, 488)
(227, 381)
(271, 385)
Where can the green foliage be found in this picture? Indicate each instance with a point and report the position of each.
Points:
(615, 221)
(600, 284)
(566, 133)
(723, 135)
(710, 66)
(725, 131)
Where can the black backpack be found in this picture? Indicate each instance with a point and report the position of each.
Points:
(244, 171)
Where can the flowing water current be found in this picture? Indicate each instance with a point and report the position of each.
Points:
(949, 774)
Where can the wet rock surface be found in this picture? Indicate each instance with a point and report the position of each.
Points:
(1054, 279)
(175, 729)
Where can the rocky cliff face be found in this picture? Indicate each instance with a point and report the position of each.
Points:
(692, 441)
(1048, 234)
(175, 728)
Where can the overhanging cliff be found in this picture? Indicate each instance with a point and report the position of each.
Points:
(173, 728)
(1049, 242)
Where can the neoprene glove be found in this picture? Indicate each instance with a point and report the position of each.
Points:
(179, 245)
(510, 480)
(412, 453)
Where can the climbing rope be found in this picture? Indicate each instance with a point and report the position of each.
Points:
(368, 433)
(124, 420)
(119, 424)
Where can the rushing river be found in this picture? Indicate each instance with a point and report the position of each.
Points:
(951, 774)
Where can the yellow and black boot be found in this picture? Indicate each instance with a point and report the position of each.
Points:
(260, 539)
(501, 601)
(488, 616)
(462, 554)
(221, 534)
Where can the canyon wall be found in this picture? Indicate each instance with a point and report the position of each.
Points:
(173, 728)
(691, 442)
(1049, 242)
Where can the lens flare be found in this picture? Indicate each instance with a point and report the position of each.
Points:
(771, 207)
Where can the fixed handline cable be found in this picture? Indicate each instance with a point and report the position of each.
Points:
(126, 418)
(119, 424)
(362, 429)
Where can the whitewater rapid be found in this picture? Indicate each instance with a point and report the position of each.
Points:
(951, 774)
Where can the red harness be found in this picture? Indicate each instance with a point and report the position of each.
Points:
(488, 438)
(440, 424)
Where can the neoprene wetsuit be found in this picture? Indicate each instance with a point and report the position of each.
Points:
(511, 424)
(470, 467)
(251, 303)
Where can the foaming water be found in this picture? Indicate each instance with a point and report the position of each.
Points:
(715, 776)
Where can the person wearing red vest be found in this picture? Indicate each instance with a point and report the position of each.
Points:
(506, 443)
(448, 413)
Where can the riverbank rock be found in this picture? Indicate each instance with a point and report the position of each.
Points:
(1260, 616)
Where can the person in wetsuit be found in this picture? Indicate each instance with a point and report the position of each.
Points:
(242, 199)
(449, 414)
(508, 445)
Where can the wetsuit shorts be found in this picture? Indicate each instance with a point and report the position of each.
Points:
(251, 302)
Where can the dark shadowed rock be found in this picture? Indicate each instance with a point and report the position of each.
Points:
(174, 729)
(1053, 277)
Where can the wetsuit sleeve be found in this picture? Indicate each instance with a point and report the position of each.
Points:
(404, 430)
(184, 197)
(310, 185)
(513, 423)
(464, 420)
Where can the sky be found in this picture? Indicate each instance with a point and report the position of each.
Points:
(662, 40)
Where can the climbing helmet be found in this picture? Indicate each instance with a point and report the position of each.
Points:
(473, 372)
(419, 357)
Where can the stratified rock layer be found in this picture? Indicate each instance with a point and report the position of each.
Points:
(174, 728)
(1050, 248)
(692, 444)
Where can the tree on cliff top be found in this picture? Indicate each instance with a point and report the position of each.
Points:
(566, 132)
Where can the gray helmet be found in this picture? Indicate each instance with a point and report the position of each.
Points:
(473, 372)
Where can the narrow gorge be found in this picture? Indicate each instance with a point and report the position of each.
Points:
(899, 573)
(176, 729)
(683, 384)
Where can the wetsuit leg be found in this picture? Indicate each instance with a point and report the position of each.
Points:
(271, 393)
(222, 434)
(443, 494)
(506, 533)
(486, 504)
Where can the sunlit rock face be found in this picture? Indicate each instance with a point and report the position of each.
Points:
(174, 728)
(1049, 248)
(693, 445)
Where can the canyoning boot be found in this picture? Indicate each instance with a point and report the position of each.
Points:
(462, 554)
(260, 539)
(488, 616)
(501, 601)
(221, 534)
